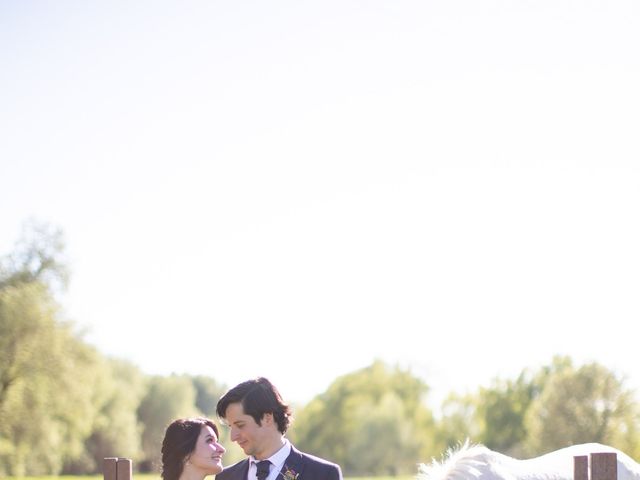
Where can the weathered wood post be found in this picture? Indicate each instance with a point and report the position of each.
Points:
(604, 466)
(116, 468)
(580, 467)
(600, 466)
(110, 468)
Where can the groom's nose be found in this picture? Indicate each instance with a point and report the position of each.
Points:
(233, 435)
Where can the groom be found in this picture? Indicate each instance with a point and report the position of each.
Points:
(258, 419)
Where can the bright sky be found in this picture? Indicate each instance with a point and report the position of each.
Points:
(294, 188)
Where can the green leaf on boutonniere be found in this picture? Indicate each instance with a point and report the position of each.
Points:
(289, 474)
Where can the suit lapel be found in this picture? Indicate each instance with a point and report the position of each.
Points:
(294, 464)
(243, 470)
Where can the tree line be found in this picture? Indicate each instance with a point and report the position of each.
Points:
(64, 406)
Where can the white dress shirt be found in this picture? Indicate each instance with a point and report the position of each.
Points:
(277, 462)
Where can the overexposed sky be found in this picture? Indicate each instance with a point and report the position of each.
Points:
(295, 188)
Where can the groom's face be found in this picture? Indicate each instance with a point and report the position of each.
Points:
(252, 438)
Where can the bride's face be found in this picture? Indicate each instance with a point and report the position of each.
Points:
(207, 455)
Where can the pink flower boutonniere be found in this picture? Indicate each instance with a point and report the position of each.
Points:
(290, 474)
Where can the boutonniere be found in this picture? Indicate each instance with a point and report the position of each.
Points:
(289, 474)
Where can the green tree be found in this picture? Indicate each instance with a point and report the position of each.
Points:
(48, 377)
(586, 404)
(383, 418)
(502, 408)
(63, 406)
(37, 257)
(511, 415)
(208, 392)
(45, 369)
(28, 310)
(352, 417)
(116, 431)
(458, 421)
(166, 399)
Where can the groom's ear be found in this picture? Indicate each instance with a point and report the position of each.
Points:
(267, 419)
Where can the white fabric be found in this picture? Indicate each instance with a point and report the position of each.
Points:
(277, 462)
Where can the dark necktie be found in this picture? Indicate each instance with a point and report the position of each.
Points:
(263, 469)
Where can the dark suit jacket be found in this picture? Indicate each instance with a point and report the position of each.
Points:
(305, 466)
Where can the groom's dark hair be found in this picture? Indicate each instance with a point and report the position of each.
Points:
(258, 397)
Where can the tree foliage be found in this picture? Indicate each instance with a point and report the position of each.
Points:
(555, 406)
(458, 421)
(37, 257)
(166, 398)
(578, 405)
(501, 411)
(47, 376)
(373, 421)
(116, 429)
(208, 392)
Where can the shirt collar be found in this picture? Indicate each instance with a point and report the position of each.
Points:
(278, 458)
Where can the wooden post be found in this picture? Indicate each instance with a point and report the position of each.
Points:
(109, 468)
(124, 469)
(604, 466)
(580, 467)
(117, 468)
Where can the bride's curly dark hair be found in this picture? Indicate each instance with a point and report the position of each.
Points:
(179, 441)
